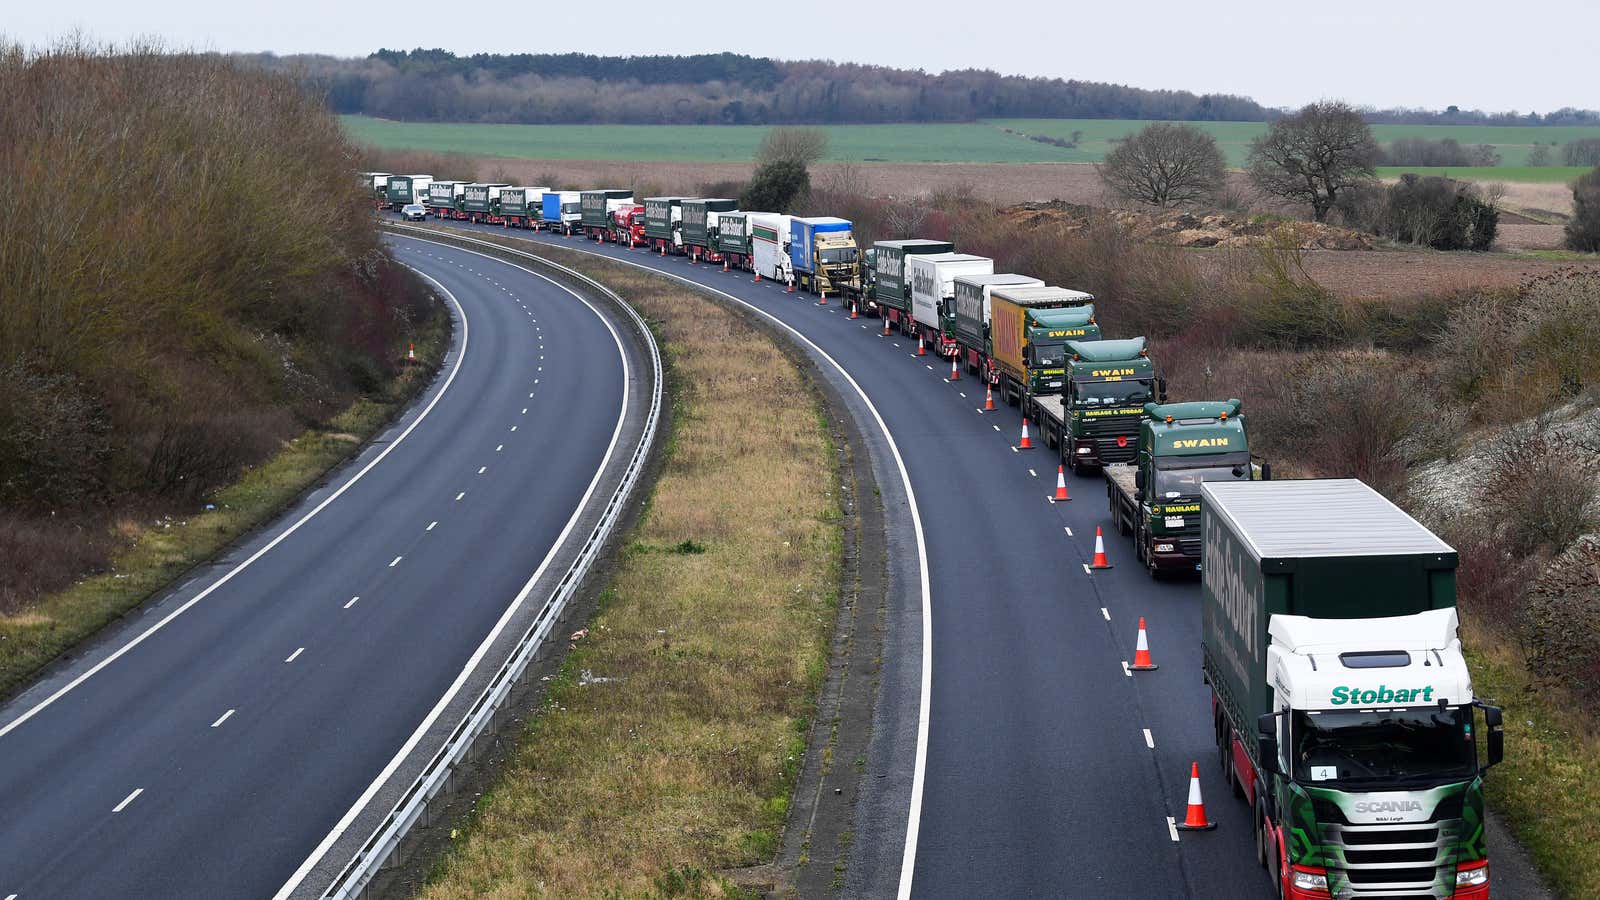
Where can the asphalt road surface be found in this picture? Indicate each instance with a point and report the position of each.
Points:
(1050, 770)
(210, 757)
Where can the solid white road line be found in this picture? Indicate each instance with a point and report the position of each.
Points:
(222, 718)
(295, 655)
(919, 771)
(1149, 739)
(126, 800)
(143, 635)
(352, 601)
(400, 755)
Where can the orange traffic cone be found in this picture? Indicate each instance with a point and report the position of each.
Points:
(1141, 652)
(1027, 442)
(758, 276)
(1100, 562)
(988, 397)
(1195, 818)
(824, 295)
(724, 265)
(853, 310)
(789, 288)
(921, 351)
(886, 325)
(1061, 483)
(955, 370)
(411, 353)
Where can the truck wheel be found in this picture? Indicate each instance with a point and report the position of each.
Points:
(1260, 818)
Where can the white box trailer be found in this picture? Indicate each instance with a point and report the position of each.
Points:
(769, 245)
(932, 278)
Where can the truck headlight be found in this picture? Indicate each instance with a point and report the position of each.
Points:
(1085, 450)
(1307, 880)
(1477, 874)
(1163, 548)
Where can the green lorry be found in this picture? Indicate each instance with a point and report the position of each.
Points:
(1029, 328)
(889, 282)
(1343, 707)
(700, 225)
(1156, 498)
(663, 223)
(1094, 421)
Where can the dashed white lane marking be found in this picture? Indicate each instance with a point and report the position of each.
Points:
(962, 393)
(1172, 828)
(997, 428)
(1013, 449)
(460, 495)
(1105, 612)
(11, 897)
(928, 367)
(525, 409)
(396, 561)
(513, 428)
(1149, 739)
(126, 800)
(352, 601)
(482, 469)
(295, 654)
(499, 447)
(432, 525)
(1069, 531)
(1086, 570)
(1033, 473)
(222, 718)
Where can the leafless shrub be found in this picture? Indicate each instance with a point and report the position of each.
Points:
(1543, 486)
(1165, 164)
(793, 144)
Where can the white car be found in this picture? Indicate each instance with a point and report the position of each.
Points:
(415, 212)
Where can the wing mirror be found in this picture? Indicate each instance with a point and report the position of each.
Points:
(1267, 741)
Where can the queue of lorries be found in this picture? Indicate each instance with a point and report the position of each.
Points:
(1343, 708)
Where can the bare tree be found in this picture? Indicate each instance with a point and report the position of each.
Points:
(792, 144)
(1312, 155)
(1164, 164)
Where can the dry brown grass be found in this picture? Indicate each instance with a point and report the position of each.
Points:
(714, 629)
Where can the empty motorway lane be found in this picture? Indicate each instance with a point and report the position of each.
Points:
(209, 746)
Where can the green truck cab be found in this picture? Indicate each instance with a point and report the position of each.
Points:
(1108, 385)
(1343, 708)
(1156, 498)
(1029, 328)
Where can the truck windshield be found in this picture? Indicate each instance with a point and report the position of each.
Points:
(1424, 743)
(839, 255)
(1048, 355)
(1110, 393)
(1185, 482)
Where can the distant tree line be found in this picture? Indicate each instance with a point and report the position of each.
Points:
(730, 89)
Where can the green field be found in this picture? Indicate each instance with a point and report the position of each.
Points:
(1542, 174)
(985, 142)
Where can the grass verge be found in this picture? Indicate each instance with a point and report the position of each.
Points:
(156, 552)
(667, 747)
(1546, 787)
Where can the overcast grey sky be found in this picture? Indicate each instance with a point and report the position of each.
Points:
(1473, 53)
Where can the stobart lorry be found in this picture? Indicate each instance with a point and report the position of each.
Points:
(1028, 331)
(1095, 421)
(769, 246)
(403, 189)
(520, 207)
(1156, 498)
(444, 199)
(481, 201)
(596, 207)
(700, 224)
(932, 277)
(824, 256)
(891, 281)
(1343, 706)
(663, 224)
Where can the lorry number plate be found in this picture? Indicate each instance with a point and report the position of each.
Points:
(1174, 521)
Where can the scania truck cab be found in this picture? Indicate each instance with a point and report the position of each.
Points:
(1344, 711)
(1108, 385)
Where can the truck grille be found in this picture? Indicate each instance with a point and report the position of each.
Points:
(1108, 451)
(1190, 546)
(1383, 861)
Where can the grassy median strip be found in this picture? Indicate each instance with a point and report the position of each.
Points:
(157, 551)
(667, 747)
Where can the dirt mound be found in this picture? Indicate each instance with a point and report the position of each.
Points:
(1188, 229)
